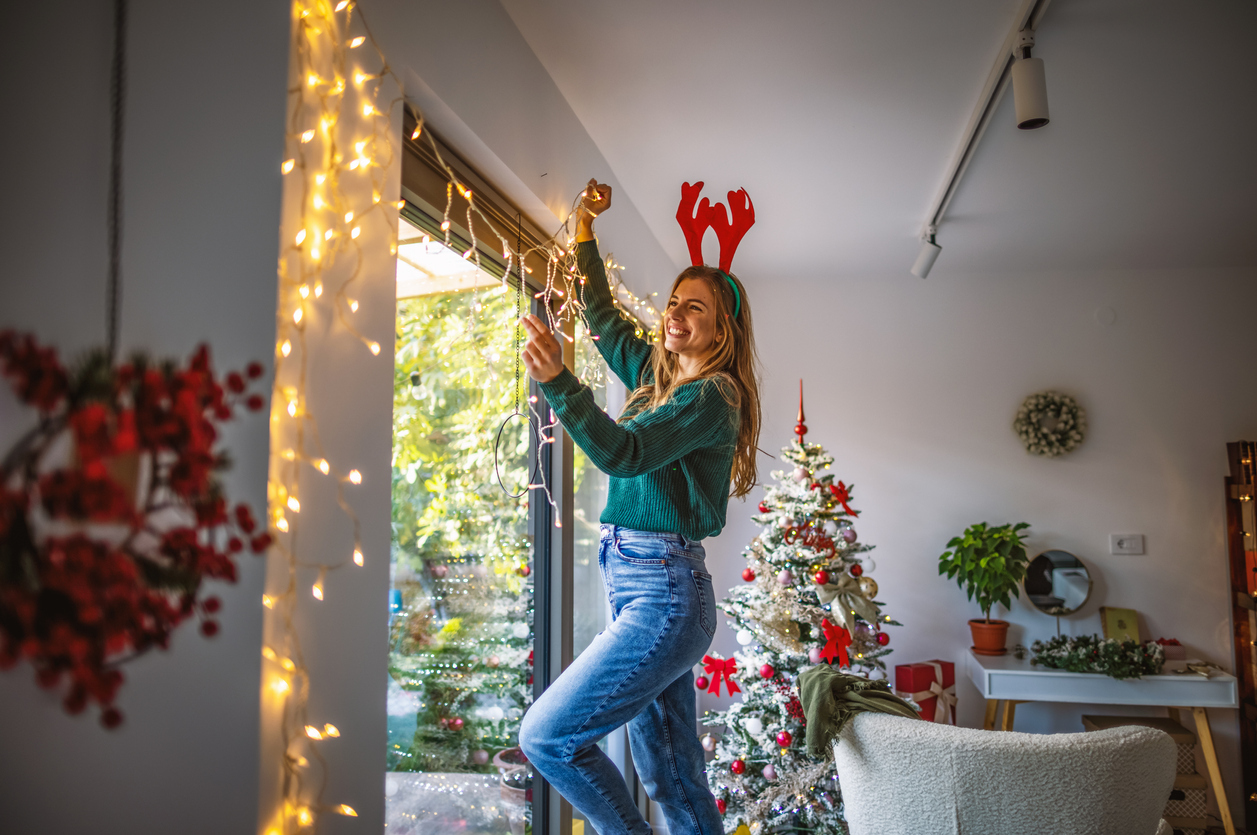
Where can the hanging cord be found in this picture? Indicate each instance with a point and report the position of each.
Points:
(117, 95)
(519, 330)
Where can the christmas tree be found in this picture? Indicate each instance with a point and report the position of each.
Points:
(808, 599)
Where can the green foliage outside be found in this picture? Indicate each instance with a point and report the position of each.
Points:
(988, 563)
(461, 642)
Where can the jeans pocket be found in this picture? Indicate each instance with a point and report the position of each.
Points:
(640, 551)
(706, 602)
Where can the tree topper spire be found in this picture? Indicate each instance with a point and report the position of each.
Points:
(800, 428)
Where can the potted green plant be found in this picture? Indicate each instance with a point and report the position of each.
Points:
(989, 564)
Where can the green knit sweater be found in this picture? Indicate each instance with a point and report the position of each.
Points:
(669, 467)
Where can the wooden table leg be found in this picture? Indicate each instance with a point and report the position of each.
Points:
(992, 707)
(1211, 764)
(1010, 711)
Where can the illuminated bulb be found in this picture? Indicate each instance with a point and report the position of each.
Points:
(354, 165)
(347, 810)
(290, 455)
(282, 524)
(268, 601)
(317, 591)
(357, 42)
(304, 290)
(324, 467)
(301, 236)
(353, 305)
(304, 818)
(327, 236)
(286, 347)
(296, 316)
(445, 225)
(314, 253)
(367, 110)
(359, 78)
(318, 201)
(268, 653)
(319, 178)
(280, 686)
(312, 79)
(418, 130)
(355, 232)
(340, 7)
(401, 204)
(302, 762)
(355, 477)
(292, 408)
(374, 347)
(375, 197)
(331, 730)
(288, 165)
(287, 664)
(349, 216)
(306, 136)
(318, 290)
(467, 254)
(358, 558)
(293, 504)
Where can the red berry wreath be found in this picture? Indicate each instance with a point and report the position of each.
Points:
(111, 514)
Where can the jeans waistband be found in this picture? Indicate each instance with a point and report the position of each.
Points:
(618, 532)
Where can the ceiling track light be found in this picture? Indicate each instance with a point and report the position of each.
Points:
(928, 254)
(1013, 62)
(1029, 85)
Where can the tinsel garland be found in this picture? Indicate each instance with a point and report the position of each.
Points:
(1093, 654)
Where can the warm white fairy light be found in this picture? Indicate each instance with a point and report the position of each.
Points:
(326, 114)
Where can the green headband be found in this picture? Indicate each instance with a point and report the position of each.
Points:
(737, 297)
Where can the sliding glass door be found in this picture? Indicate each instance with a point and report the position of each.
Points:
(461, 607)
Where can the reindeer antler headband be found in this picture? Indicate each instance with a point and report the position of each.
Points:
(696, 220)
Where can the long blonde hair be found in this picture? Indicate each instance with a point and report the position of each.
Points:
(731, 364)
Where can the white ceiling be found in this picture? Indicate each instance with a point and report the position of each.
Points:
(839, 118)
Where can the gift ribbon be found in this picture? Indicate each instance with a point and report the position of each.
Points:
(717, 667)
(850, 601)
(837, 640)
(843, 495)
(945, 698)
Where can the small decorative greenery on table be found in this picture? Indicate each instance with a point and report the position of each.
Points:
(1093, 654)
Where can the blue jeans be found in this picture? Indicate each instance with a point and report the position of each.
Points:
(635, 672)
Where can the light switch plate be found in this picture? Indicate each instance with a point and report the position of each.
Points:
(1126, 543)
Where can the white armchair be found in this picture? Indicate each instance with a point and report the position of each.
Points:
(905, 777)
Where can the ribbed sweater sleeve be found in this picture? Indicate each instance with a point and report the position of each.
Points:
(626, 355)
(695, 416)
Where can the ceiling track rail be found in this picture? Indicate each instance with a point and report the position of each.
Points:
(1028, 17)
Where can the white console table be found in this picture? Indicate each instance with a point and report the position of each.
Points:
(1004, 681)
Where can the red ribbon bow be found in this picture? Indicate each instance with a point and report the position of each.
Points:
(837, 639)
(843, 495)
(716, 667)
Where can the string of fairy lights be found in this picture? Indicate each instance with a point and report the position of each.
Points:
(340, 132)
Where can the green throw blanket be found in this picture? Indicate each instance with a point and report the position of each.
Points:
(831, 698)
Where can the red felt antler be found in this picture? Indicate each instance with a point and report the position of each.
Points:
(696, 220)
(693, 224)
(730, 234)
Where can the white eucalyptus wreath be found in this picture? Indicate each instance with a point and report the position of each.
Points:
(1050, 423)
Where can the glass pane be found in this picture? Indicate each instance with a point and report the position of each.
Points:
(589, 599)
(590, 611)
(460, 659)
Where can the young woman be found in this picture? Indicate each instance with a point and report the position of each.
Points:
(689, 429)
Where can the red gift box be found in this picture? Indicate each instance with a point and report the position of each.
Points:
(925, 683)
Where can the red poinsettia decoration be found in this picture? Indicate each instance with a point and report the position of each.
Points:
(111, 514)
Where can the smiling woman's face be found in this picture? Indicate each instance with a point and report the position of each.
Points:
(690, 320)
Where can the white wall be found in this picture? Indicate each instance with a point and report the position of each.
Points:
(913, 387)
(204, 137)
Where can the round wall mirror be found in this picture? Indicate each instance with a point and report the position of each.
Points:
(1057, 583)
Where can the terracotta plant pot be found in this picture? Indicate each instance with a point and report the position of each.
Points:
(989, 636)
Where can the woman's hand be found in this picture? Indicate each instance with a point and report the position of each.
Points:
(543, 355)
(595, 199)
